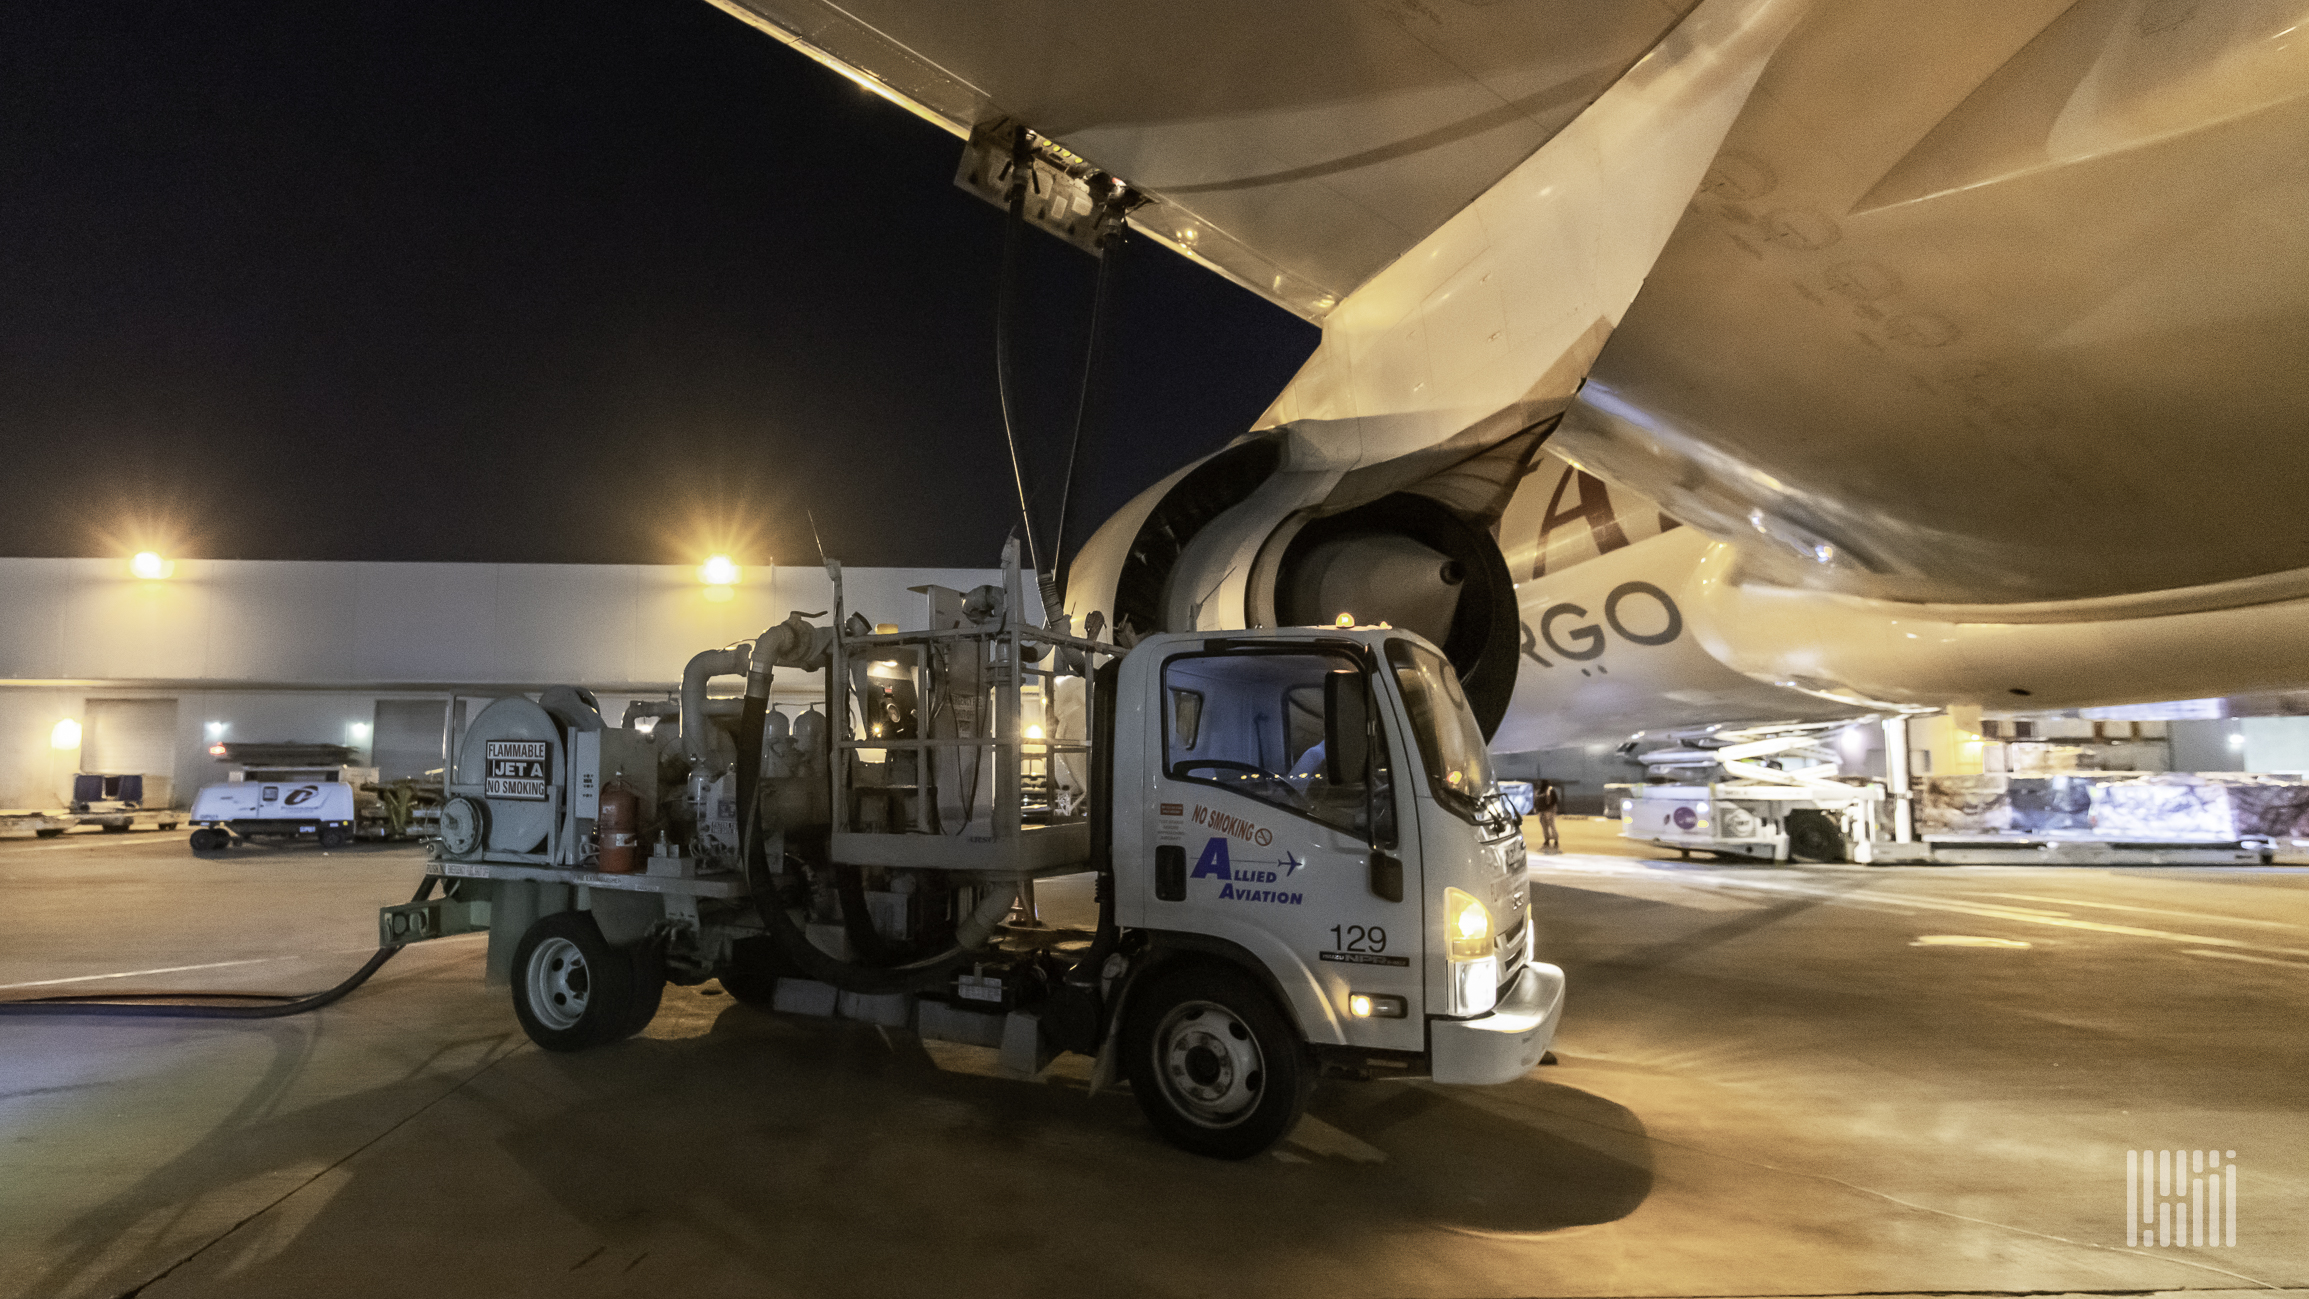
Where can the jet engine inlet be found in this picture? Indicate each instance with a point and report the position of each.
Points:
(1408, 561)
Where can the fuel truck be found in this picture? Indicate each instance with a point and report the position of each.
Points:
(1303, 865)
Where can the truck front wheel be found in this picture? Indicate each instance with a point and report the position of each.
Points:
(1813, 837)
(572, 990)
(1214, 1064)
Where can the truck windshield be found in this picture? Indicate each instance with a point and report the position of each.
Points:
(1254, 722)
(1450, 741)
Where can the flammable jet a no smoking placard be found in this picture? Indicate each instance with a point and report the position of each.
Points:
(520, 770)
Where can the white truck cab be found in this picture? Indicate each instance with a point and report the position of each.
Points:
(1303, 863)
(1384, 891)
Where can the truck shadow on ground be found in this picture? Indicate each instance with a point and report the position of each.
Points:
(816, 1105)
(741, 1143)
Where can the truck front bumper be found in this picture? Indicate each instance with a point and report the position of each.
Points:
(1505, 1044)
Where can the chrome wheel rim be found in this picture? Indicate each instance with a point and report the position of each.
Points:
(1209, 1064)
(558, 984)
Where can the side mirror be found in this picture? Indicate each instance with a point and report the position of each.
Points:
(1346, 729)
(1386, 875)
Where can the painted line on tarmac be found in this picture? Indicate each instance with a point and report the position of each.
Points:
(210, 965)
(1980, 910)
(157, 839)
(2240, 956)
(2155, 911)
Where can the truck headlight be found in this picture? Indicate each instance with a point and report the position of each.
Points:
(1467, 925)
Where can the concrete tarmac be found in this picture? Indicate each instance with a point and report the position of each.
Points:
(1791, 1081)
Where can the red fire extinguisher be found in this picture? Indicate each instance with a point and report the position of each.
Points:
(619, 829)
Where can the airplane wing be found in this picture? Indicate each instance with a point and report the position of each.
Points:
(1296, 146)
(2002, 300)
(1989, 303)
(1978, 326)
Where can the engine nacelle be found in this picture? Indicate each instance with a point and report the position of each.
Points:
(1289, 528)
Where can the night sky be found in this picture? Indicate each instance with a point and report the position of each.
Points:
(590, 281)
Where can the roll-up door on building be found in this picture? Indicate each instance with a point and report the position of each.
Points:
(408, 737)
(132, 736)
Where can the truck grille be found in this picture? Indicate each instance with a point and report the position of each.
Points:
(1510, 948)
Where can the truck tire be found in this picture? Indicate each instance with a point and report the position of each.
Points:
(648, 985)
(121, 828)
(335, 836)
(49, 833)
(1813, 837)
(1216, 1066)
(572, 990)
(208, 840)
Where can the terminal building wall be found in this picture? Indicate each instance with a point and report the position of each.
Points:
(359, 653)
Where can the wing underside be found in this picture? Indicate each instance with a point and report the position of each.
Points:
(1992, 301)
(1296, 146)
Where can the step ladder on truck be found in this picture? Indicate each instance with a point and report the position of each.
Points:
(1303, 865)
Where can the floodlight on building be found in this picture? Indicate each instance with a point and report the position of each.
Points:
(150, 566)
(720, 570)
(359, 731)
(65, 736)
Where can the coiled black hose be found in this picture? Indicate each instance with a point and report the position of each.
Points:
(792, 943)
(141, 1005)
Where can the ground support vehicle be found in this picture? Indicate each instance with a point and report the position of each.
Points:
(47, 825)
(117, 803)
(322, 805)
(2069, 848)
(1303, 867)
(1770, 792)
(325, 802)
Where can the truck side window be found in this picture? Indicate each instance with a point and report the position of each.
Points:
(1186, 716)
(1256, 725)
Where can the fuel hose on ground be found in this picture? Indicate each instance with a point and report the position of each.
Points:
(168, 1005)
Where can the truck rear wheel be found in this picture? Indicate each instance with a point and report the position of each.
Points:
(1214, 1063)
(572, 990)
(335, 836)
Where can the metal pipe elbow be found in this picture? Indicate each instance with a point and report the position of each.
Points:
(704, 667)
(979, 925)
